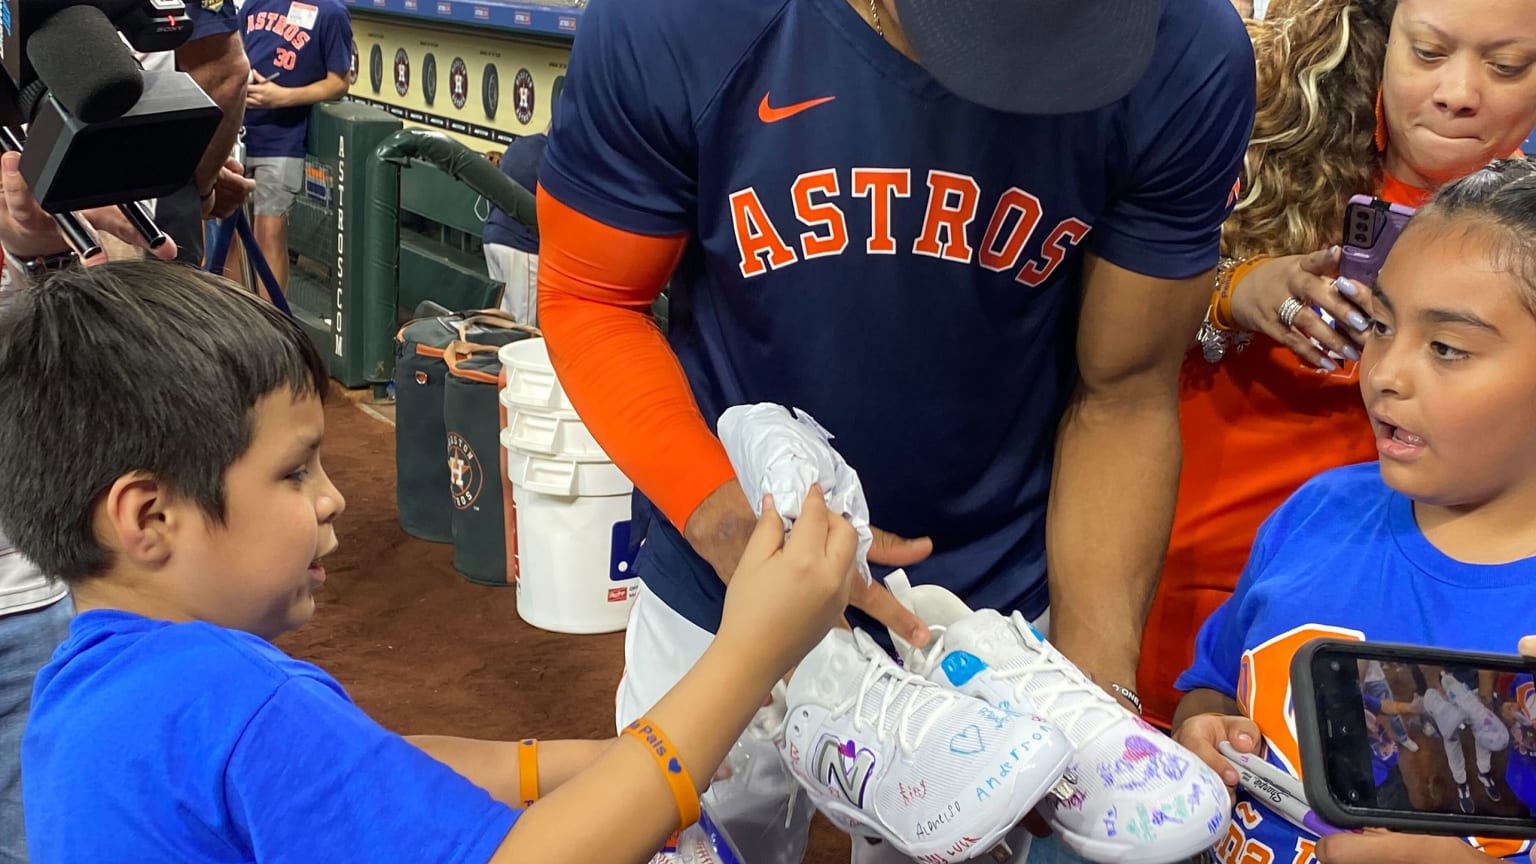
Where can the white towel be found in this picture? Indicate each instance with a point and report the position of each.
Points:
(779, 454)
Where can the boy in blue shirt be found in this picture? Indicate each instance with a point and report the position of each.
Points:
(1441, 524)
(160, 435)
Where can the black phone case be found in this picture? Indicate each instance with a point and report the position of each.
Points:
(1314, 771)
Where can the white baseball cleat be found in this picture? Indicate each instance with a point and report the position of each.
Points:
(1132, 795)
(940, 775)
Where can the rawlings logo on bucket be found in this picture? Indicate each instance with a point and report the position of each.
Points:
(464, 475)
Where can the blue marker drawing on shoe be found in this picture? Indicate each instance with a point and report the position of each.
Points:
(998, 719)
(1216, 825)
(1006, 707)
(1141, 763)
(1124, 764)
(967, 742)
(844, 772)
(1005, 768)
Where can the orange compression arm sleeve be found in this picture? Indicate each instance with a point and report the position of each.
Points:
(596, 286)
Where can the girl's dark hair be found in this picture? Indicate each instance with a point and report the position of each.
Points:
(1503, 197)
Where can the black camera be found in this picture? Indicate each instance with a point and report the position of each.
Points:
(101, 130)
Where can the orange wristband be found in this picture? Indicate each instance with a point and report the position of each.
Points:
(528, 771)
(1226, 283)
(683, 791)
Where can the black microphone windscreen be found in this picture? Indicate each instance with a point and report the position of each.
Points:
(79, 56)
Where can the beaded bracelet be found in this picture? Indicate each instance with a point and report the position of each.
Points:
(1219, 330)
(683, 791)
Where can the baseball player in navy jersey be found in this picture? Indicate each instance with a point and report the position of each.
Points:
(971, 237)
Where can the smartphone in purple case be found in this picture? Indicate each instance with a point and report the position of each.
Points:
(1371, 226)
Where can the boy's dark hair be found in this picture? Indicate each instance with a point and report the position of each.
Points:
(130, 366)
(1501, 196)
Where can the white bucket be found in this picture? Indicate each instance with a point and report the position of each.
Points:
(548, 432)
(573, 564)
(531, 381)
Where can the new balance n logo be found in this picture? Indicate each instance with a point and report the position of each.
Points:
(844, 768)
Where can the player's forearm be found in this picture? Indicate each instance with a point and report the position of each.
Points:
(1202, 700)
(702, 716)
(1110, 513)
(218, 65)
(493, 765)
(596, 285)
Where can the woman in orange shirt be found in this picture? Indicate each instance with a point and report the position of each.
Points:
(1354, 96)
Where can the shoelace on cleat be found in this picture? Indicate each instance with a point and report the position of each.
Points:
(1088, 715)
(923, 693)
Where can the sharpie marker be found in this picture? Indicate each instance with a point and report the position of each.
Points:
(1279, 790)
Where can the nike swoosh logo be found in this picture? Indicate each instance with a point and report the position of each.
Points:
(769, 114)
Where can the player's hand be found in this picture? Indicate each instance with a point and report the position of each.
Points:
(1314, 281)
(27, 231)
(719, 528)
(230, 191)
(262, 93)
(1377, 846)
(787, 593)
(1202, 733)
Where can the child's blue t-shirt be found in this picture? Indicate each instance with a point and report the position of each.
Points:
(153, 741)
(1343, 558)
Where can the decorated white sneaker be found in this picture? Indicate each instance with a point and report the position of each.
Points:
(940, 775)
(1132, 795)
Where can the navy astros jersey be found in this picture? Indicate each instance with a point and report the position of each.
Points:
(901, 263)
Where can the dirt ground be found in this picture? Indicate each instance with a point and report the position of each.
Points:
(423, 650)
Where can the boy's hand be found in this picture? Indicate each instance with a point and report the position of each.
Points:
(1202, 733)
(717, 529)
(787, 593)
(1377, 846)
(262, 93)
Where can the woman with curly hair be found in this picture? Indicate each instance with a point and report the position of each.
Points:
(1355, 96)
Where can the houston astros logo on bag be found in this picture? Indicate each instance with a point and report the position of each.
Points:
(464, 476)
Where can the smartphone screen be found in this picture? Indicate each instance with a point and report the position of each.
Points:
(1444, 739)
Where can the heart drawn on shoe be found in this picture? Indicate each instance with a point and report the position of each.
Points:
(847, 748)
(967, 742)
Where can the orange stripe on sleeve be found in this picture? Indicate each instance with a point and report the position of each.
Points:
(596, 286)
